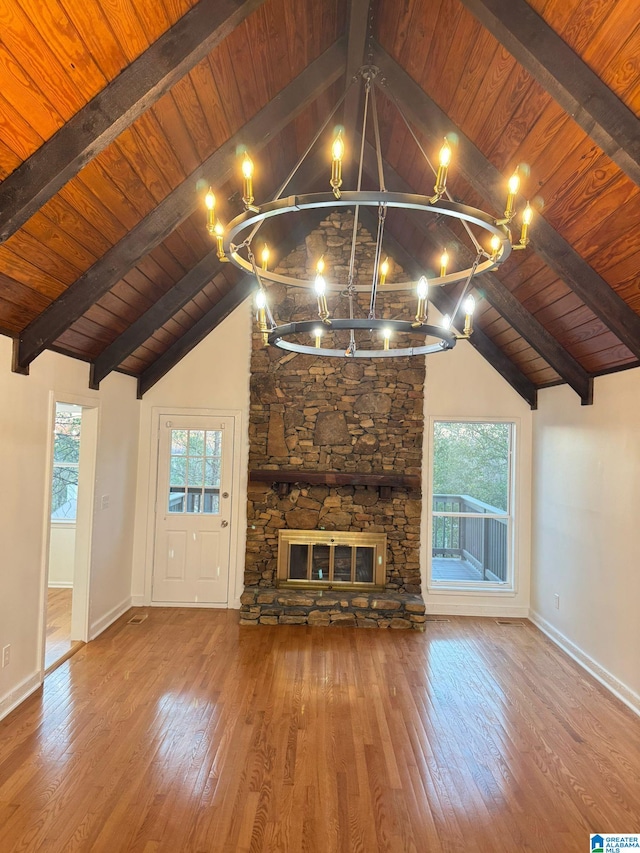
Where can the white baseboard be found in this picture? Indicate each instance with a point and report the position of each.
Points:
(109, 618)
(606, 678)
(14, 697)
(60, 584)
(500, 611)
(141, 601)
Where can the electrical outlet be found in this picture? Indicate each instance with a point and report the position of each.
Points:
(556, 601)
(6, 656)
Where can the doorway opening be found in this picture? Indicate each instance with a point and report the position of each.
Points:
(70, 516)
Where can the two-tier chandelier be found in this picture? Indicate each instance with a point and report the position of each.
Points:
(410, 336)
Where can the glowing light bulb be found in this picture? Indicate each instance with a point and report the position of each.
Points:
(514, 183)
(320, 266)
(423, 288)
(320, 285)
(445, 155)
(210, 203)
(247, 181)
(264, 257)
(247, 167)
(469, 304)
(527, 216)
(337, 149)
(261, 300)
(219, 232)
(496, 243)
(386, 334)
(444, 263)
(384, 270)
(446, 322)
(317, 334)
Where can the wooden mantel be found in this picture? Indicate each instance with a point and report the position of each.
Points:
(383, 482)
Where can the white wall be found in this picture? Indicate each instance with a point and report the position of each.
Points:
(25, 436)
(62, 547)
(213, 376)
(586, 503)
(461, 384)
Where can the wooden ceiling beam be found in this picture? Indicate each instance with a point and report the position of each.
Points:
(183, 292)
(116, 107)
(495, 292)
(197, 333)
(177, 351)
(175, 208)
(356, 45)
(156, 316)
(478, 340)
(483, 176)
(569, 80)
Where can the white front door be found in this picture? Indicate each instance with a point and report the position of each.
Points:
(193, 510)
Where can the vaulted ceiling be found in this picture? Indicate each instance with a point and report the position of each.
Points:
(117, 113)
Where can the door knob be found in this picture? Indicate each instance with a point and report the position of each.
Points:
(224, 523)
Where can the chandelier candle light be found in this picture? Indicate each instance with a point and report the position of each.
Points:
(234, 245)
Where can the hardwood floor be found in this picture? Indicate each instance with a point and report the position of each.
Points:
(58, 624)
(189, 733)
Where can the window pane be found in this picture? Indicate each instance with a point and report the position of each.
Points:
(64, 492)
(178, 471)
(211, 502)
(471, 466)
(342, 563)
(214, 442)
(196, 472)
(176, 500)
(471, 474)
(194, 500)
(212, 472)
(196, 442)
(179, 442)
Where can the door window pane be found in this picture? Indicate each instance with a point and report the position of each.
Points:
(195, 463)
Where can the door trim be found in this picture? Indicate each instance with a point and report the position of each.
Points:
(236, 543)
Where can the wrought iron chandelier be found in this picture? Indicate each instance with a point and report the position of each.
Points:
(235, 244)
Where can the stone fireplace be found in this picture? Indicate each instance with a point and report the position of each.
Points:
(335, 445)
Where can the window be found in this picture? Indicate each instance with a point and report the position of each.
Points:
(472, 504)
(195, 471)
(66, 457)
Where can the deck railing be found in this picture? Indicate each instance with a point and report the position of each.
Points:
(480, 541)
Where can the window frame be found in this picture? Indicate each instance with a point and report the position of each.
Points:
(479, 587)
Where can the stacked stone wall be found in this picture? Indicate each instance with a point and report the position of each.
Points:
(318, 414)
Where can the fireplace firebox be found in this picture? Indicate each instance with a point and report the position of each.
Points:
(331, 560)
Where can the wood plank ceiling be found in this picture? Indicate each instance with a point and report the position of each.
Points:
(117, 113)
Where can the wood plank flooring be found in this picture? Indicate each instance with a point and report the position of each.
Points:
(189, 733)
(58, 624)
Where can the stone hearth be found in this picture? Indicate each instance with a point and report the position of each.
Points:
(318, 414)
